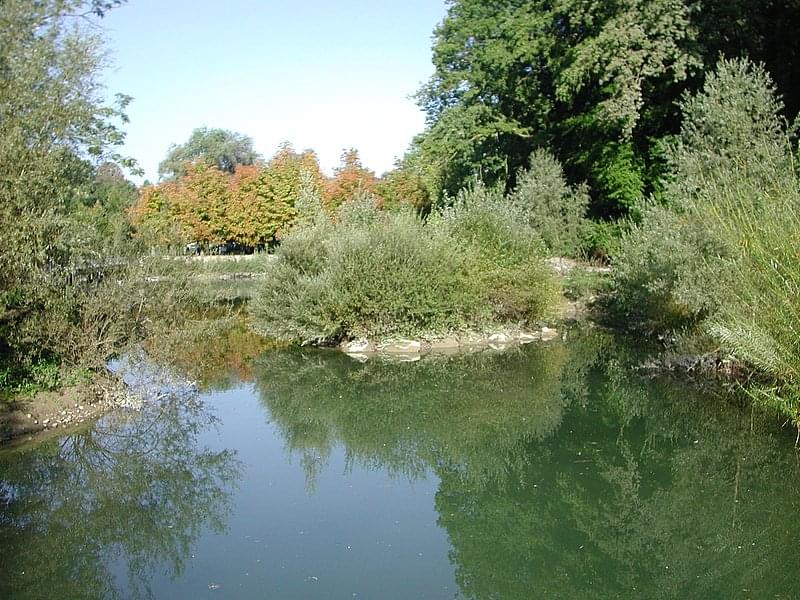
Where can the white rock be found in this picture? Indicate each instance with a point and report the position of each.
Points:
(499, 338)
(548, 334)
(357, 346)
(527, 337)
(401, 347)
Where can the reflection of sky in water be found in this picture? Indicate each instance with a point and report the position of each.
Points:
(357, 532)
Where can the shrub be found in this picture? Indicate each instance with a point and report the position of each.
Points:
(364, 272)
(726, 247)
(556, 210)
(667, 267)
(660, 272)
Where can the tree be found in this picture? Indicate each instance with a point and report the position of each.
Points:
(596, 82)
(54, 127)
(219, 147)
(250, 207)
(403, 186)
(349, 179)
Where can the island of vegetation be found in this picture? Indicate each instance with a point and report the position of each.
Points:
(655, 138)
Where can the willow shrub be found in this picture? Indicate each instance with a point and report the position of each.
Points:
(724, 250)
(369, 273)
(553, 207)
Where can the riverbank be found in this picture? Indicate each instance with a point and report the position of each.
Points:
(47, 413)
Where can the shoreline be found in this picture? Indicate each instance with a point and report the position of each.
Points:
(48, 413)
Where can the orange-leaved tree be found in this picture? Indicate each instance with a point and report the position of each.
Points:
(262, 198)
(153, 218)
(349, 179)
(199, 203)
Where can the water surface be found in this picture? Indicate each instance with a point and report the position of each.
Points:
(554, 471)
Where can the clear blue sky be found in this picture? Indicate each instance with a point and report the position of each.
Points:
(326, 75)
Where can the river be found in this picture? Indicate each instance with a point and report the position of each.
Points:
(555, 470)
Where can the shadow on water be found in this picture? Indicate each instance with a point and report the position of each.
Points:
(562, 473)
(96, 513)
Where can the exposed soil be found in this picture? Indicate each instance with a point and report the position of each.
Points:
(48, 413)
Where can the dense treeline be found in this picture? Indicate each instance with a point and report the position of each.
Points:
(597, 83)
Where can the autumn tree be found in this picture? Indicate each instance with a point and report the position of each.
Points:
(250, 207)
(153, 218)
(349, 179)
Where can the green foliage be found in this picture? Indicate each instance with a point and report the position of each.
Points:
(404, 186)
(218, 147)
(552, 207)
(72, 291)
(726, 245)
(365, 272)
(596, 82)
(660, 278)
(601, 239)
(572, 75)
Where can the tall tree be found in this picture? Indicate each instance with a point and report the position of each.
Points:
(597, 82)
(54, 125)
(349, 179)
(218, 147)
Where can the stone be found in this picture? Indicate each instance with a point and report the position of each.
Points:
(526, 337)
(548, 334)
(499, 338)
(448, 343)
(401, 347)
(357, 346)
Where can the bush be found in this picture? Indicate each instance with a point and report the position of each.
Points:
(556, 210)
(365, 273)
(660, 272)
(725, 249)
(668, 271)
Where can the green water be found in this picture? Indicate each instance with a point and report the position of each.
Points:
(554, 471)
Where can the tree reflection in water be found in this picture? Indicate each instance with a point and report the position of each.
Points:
(134, 490)
(562, 473)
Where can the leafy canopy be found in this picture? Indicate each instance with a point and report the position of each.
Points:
(218, 147)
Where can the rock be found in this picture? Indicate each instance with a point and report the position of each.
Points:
(526, 337)
(499, 338)
(357, 346)
(499, 341)
(449, 343)
(401, 347)
(548, 334)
